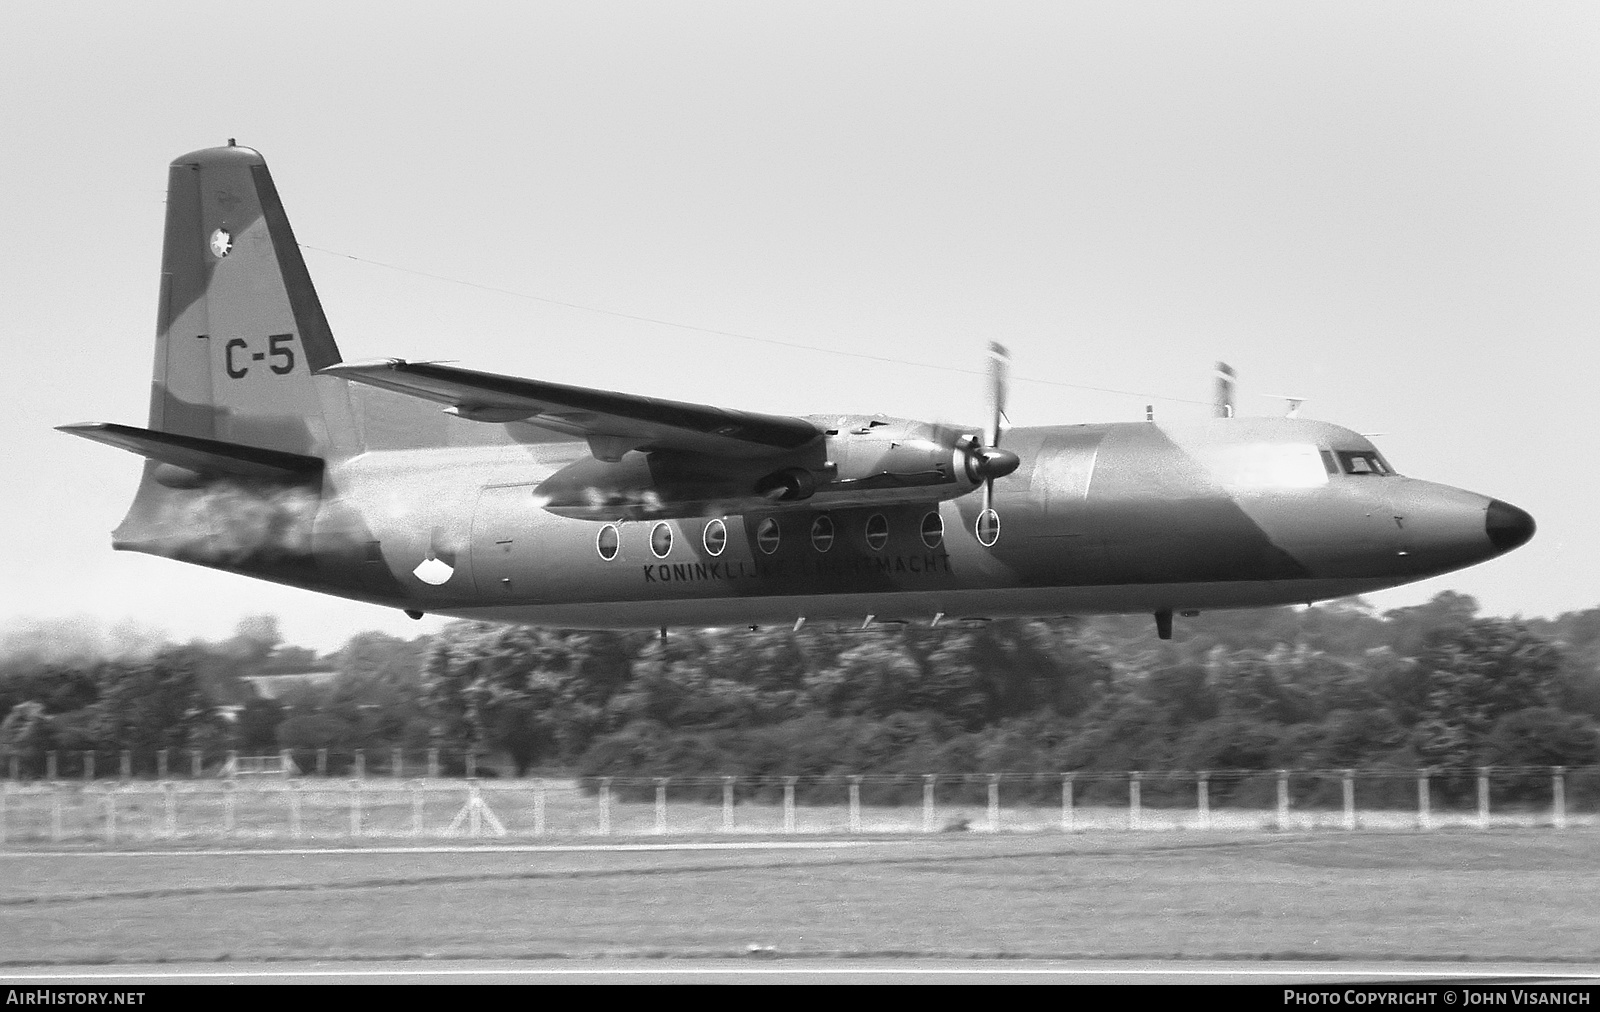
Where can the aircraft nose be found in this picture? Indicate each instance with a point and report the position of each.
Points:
(1507, 526)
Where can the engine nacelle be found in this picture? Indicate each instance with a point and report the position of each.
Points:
(791, 484)
(881, 459)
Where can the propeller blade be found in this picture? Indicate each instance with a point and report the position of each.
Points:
(1223, 406)
(999, 379)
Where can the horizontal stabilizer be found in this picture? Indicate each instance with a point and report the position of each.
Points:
(614, 423)
(204, 457)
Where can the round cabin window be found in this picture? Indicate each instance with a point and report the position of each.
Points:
(988, 528)
(661, 540)
(716, 537)
(877, 532)
(932, 530)
(607, 542)
(822, 534)
(767, 535)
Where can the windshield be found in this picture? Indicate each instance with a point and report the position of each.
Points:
(1364, 462)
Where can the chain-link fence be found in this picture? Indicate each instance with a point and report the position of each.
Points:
(276, 798)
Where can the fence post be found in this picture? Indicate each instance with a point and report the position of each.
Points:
(361, 764)
(322, 762)
(1558, 797)
(1424, 814)
(474, 810)
(1483, 797)
(1133, 799)
(286, 761)
(727, 804)
(605, 806)
(788, 803)
(233, 763)
(1068, 815)
(397, 763)
(13, 767)
(661, 805)
(472, 765)
(161, 765)
(538, 806)
(433, 764)
(170, 806)
(1202, 798)
(927, 802)
(195, 764)
(1349, 790)
(88, 765)
(994, 802)
(1283, 800)
(50, 765)
(855, 804)
(126, 770)
(55, 813)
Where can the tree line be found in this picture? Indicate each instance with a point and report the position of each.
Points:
(1333, 686)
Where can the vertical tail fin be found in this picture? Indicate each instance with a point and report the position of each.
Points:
(240, 329)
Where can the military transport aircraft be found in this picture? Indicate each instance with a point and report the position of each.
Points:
(432, 488)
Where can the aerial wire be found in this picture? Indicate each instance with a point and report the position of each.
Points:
(778, 342)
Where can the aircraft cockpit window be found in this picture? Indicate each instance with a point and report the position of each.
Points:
(1363, 462)
(1328, 462)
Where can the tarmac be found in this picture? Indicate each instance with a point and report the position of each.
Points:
(757, 969)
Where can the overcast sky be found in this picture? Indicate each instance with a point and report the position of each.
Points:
(1389, 209)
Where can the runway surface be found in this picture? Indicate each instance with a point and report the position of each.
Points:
(475, 848)
(757, 970)
(1285, 909)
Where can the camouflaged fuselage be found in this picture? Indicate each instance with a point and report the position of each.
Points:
(1099, 518)
(433, 488)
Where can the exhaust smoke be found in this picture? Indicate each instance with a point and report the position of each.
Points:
(228, 523)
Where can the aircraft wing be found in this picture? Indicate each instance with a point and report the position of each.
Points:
(613, 423)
